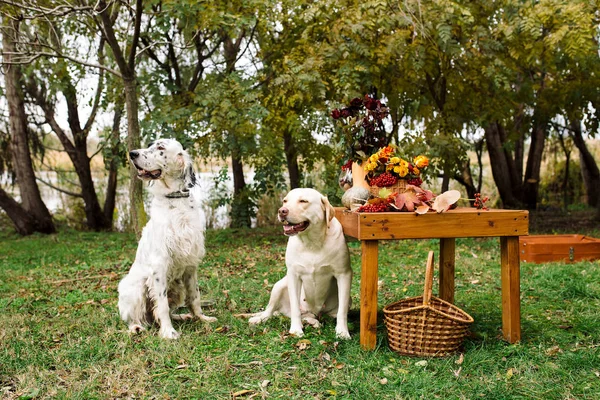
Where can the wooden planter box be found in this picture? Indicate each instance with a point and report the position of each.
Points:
(566, 248)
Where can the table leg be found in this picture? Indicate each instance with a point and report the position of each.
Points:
(447, 262)
(511, 292)
(368, 294)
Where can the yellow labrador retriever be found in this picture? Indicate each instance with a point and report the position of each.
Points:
(319, 275)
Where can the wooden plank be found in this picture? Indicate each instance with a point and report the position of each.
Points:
(349, 221)
(468, 222)
(368, 294)
(511, 291)
(447, 264)
(566, 248)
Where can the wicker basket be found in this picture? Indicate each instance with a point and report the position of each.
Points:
(425, 325)
(398, 187)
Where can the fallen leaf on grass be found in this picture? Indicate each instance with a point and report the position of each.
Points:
(303, 344)
(383, 381)
(460, 360)
(552, 351)
(242, 393)
(222, 329)
(422, 363)
(510, 373)
(265, 383)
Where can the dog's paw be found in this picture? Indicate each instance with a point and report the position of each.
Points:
(206, 318)
(257, 319)
(342, 334)
(296, 332)
(169, 333)
(135, 328)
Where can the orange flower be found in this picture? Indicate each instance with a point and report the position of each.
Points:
(421, 161)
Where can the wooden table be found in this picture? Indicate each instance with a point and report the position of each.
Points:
(369, 228)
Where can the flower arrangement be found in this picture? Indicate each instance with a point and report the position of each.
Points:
(363, 132)
(384, 168)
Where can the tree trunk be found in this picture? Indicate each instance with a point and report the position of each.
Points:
(126, 64)
(291, 156)
(466, 179)
(500, 166)
(31, 198)
(113, 167)
(93, 212)
(240, 207)
(531, 181)
(24, 222)
(136, 203)
(589, 168)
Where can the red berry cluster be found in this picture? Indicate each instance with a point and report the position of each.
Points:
(347, 166)
(415, 181)
(384, 180)
(376, 205)
(479, 203)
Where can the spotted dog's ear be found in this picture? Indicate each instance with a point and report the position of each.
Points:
(189, 176)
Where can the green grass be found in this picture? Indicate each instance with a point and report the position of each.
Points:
(61, 337)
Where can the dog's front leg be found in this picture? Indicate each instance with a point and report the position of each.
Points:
(157, 287)
(294, 287)
(190, 280)
(344, 283)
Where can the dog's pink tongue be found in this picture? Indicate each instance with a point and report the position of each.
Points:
(287, 229)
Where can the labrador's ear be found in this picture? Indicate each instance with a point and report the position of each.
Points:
(329, 210)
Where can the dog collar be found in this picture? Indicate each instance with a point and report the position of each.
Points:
(178, 194)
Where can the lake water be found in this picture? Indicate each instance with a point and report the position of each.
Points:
(64, 204)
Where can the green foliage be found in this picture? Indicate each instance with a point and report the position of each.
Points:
(552, 190)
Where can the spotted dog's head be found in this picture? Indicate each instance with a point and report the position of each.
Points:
(164, 160)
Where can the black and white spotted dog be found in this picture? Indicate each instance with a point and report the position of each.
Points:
(163, 276)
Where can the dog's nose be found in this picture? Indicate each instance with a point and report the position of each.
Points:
(134, 154)
(283, 212)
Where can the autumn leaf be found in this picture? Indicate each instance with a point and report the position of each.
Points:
(407, 199)
(444, 201)
(552, 351)
(241, 393)
(303, 344)
(422, 209)
(384, 193)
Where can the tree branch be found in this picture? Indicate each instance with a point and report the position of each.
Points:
(59, 189)
(136, 34)
(33, 57)
(58, 11)
(99, 89)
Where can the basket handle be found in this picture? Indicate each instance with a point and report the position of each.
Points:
(428, 279)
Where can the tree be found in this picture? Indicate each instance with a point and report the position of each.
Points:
(32, 215)
(76, 148)
(105, 15)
